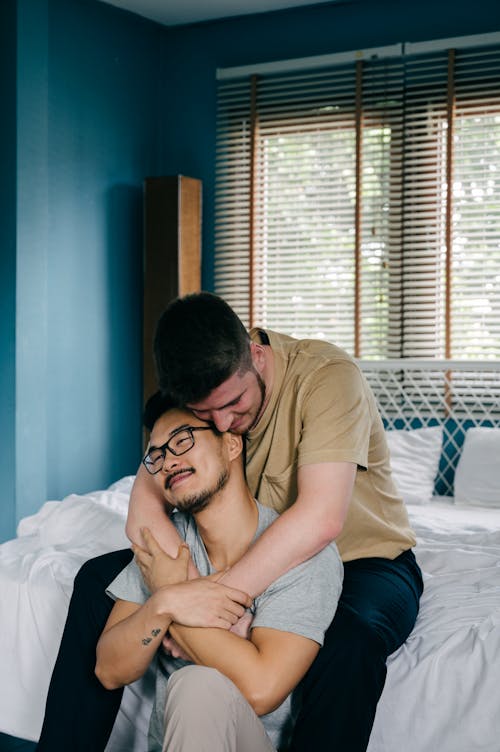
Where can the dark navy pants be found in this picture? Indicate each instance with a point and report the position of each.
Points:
(339, 694)
(80, 713)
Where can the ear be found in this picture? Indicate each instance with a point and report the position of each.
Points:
(234, 445)
(258, 356)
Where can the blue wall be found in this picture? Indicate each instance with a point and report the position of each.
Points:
(195, 52)
(105, 98)
(7, 262)
(89, 115)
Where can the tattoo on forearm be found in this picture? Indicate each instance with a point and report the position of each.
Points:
(147, 640)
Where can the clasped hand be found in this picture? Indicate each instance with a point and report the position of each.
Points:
(199, 602)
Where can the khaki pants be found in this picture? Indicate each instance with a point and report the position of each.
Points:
(205, 712)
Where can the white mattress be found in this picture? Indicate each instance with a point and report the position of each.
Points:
(36, 580)
(442, 685)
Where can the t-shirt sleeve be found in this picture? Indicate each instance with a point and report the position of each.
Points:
(129, 585)
(303, 600)
(336, 416)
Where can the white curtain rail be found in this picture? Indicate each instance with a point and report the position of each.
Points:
(307, 63)
(429, 365)
(338, 58)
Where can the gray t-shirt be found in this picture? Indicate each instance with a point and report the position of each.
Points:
(303, 601)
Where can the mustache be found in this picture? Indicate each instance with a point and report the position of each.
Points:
(169, 477)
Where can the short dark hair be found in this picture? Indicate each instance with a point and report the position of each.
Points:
(199, 343)
(156, 405)
(159, 403)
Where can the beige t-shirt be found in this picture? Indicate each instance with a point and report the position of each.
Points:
(321, 409)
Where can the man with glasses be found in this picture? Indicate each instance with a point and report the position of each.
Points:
(317, 455)
(215, 704)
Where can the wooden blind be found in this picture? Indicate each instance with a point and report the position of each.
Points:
(360, 203)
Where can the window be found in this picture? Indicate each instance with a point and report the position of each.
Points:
(360, 202)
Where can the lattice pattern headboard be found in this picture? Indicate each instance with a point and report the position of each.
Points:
(454, 394)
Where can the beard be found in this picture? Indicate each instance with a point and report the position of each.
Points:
(194, 503)
(262, 388)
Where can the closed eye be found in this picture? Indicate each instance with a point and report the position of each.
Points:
(200, 412)
(182, 441)
(233, 403)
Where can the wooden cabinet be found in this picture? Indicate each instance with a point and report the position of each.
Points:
(172, 253)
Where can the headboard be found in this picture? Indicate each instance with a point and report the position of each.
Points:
(451, 393)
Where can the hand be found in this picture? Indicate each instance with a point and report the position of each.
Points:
(243, 625)
(175, 650)
(203, 603)
(157, 567)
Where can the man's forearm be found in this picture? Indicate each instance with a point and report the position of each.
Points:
(311, 523)
(147, 508)
(265, 672)
(126, 649)
(228, 653)
(291, 539)
(238, 659)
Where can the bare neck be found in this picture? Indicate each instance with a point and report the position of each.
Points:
(228, 524)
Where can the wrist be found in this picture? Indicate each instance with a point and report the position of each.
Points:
(193, 573)
(162, 603)
(223, 575)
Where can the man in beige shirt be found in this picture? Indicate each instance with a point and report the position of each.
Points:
(316, 453)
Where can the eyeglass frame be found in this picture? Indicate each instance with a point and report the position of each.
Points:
(164, 447)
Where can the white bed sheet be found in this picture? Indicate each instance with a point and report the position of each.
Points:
(442, 684)
(441, 691)
(36, 580)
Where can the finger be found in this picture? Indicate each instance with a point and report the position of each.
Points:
(183, 552)
(152, 544)
(137, 549)
(143, 558)
(168, 642)
(234, 611)
(224, 623)
(178, 652)
(231, 618)
(243, 626)
(238, 596)
(172, 647)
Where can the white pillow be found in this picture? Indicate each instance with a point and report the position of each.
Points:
(414, 461)
(477, 477)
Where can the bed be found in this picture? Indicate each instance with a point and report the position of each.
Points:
(443, 424)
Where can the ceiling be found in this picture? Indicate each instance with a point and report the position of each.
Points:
(176, 12)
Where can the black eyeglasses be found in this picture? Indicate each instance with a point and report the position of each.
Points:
(180, 443)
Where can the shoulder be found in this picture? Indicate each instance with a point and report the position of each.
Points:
(306, 362)
(321, 349)
(313, 576)
(312, 359)
(128, 585)
(304, 599)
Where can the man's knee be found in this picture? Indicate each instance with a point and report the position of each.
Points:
(354, 626)
(195, 683)
(352, 639)
(354, 651)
